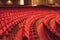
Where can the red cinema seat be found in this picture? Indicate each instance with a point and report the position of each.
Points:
(57, 27)
(47, 19)
(1, 32)
(29, 23)
(49, 24)
(4, 28)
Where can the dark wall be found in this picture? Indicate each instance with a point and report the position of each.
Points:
(27, 2)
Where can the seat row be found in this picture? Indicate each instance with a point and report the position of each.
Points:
(8, 20)
(48, 20)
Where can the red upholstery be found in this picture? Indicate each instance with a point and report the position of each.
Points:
(31, 23)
